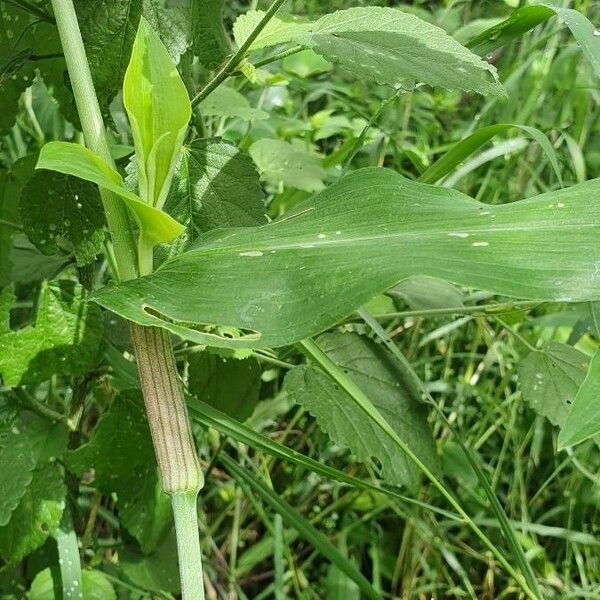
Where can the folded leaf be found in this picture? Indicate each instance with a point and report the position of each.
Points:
(73, 159)
(159, 110)
(398, 49)
(298, 275)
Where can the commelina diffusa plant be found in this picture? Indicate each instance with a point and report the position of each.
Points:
(252, 285)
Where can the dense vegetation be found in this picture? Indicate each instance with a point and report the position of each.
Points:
(389, 353)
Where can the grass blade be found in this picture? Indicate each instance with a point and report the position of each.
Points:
(300, 523)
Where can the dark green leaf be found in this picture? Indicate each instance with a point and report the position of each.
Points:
(210, 43)
(36, 516)
(122, 456)
(215, 185)
(59, 212)
(297, 276)
(398, 49)
(9, 223)
(550, 378)
(64, 340)
(228, 384)
(158, 571)
(368, 365)
(24, 445)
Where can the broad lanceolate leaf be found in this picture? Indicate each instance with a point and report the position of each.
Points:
(297, 276)
(226, 102)
(230, 385)
(63, 214)
(398, 49)
(121, 454)
(280, 162)
(347, 425)
(583, 421)
(278, 31)
(64, 340)
(550, 378)
(159, 110)
(76, 160)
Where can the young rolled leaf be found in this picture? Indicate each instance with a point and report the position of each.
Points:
(298, 275)
(73, 159)
(159, 110)
(398, 49)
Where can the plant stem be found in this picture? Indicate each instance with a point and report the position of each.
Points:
(167, 414)
(94, 132)
(188, 546)
(163, 396)
(237, 58)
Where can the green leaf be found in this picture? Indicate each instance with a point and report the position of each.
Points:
(297, 276)
(282, 163)
(520, 21)
(210, 43)
(302, 525)
(226, 102)
(584, 32)
(62, 213)
(215, 185)
(550, 378)
(23, 446)
(461, 150)
(527, 17)
(122, 456)
(23, 36)
(368, 365)
(64, 340)
(306, 64)
(277, 31)
(76, 160)
(36, 516)
(398, 49)
(9, 214)
(583, 421)
(424, 293)
(229, 384)
(95, 586)
(159, 110)
(157, 572)
(108, 29)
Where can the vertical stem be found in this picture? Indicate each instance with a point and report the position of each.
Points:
(94, 131)
(188, 546)
(167, 413)
(165, 404)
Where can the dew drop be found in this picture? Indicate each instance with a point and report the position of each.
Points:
(321, 236)
(596, 33)
(480, 244)
(459, 235)
(251, 253)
